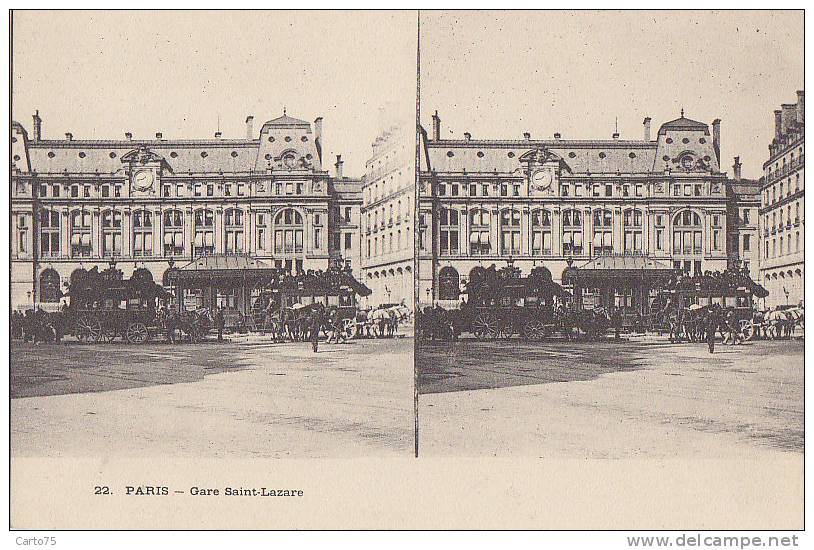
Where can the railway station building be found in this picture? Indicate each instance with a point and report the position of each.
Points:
(782, 208)
(659, 202)
(155, 203)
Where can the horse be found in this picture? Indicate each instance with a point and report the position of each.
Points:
(295, 321)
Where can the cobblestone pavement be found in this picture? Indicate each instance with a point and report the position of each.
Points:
(246, 398)
(639, 397)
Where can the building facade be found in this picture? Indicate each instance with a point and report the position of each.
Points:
(388, 204)
(157, 203)
(660, 201)
(782, 212)
(744, 218)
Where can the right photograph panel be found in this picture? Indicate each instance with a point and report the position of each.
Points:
(611, 230)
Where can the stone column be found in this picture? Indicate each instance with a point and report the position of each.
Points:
(127, 233)
(219, 231)
(189, 231)
(158, 233)
(96, 232)
(65, 233)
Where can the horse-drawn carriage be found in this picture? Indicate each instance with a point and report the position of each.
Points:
(285, 308)
(683, 305)
(104, 305)
(501, 304)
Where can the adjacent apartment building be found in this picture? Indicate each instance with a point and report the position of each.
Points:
(388, 203)
(782, 211)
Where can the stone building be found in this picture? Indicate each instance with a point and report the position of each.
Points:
(157, 202)
(388, 203)
(782, 212)
(656, 203)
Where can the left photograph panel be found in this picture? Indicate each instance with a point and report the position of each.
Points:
(211, 249)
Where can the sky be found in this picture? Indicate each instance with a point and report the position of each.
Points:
(499, 74)
(101, 74)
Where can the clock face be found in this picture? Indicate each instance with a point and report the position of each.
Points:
(542, 179)
(143, 180)
(687, 162)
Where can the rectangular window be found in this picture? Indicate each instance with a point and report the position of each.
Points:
(697, 189)
(504, 190)
(659, 239)
(210, 190)
(747, 243)
(348, 241)
(87, 192)
(564, 190)
(473, 190)
(454, 190)
(485, 190)
(516, 190)
(299, 189)
(639, 190)
(745, 216)
(608, 190)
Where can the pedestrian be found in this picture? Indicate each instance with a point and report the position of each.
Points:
(316, 326)
(617, 322)
(219, 322)
(712, 327)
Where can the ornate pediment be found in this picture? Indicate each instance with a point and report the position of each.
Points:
(142, 155)
(540, 155)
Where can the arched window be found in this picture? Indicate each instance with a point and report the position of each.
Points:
(233, 222)
(448, 284)
(633, 231)
(510, 232)
(687, 233)
(288, 232)
(204, 230)
(449, 227)
(540, 233)
(603, 232)
(479, 231)
(50, 233)
(80, 234)
(49, 286)
(142, 233)
(572, 233)
(173, 233)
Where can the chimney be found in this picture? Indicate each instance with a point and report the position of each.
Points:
(128, 135)
(250, 127)
(69, 136)
(778, 124)
(436, 127)
(217, 135)
(801, 107)
(467, 136)
(318, 136)
(616, 135)
(736, 168)
(159, 135)
(646, 128)
(527, 136)
(557, 136)
(338, 165)
(37, 126)
(716, 139)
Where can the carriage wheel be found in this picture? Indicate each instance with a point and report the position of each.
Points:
(485, 326)
(535, 330)
(88, 329)
(137, 333)
(349, 328)
(747, 330)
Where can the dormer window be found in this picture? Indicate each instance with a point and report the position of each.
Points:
(289, 160)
